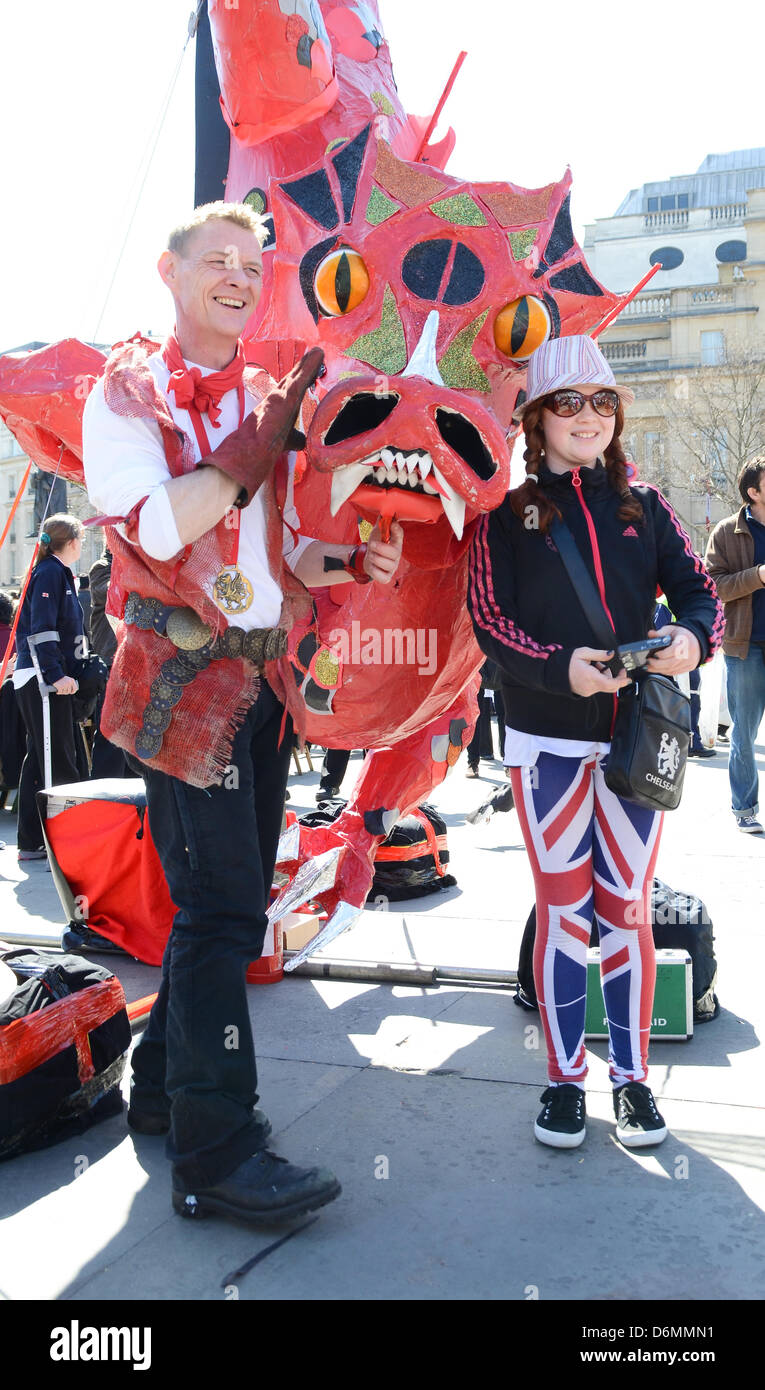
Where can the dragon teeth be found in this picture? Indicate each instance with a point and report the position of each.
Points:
(402, 468)
(344, 482)
(452, 503)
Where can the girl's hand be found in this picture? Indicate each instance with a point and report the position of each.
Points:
(66, 685)
(587, 677)
(683, 655)
(382, 558)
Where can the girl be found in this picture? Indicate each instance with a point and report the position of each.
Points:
(592, 853)
(51, 613)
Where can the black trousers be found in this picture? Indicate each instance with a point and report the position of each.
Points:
(107, 760)
(334, 768)
(68, 763)
(480, 745)
(499, 710)
(217, 847)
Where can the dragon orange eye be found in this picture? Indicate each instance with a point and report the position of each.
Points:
(521, 327)
(341, 282)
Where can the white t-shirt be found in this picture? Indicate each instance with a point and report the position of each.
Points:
(522, 750)
(124, 460)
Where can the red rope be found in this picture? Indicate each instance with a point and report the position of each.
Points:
(11, 639)
(16, 501)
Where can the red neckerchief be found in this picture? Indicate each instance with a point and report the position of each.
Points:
(200, 395)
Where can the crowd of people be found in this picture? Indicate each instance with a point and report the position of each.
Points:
(174, 443)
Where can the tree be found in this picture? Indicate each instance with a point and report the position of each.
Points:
(717, 414)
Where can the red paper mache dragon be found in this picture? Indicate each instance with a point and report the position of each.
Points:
(427, 293)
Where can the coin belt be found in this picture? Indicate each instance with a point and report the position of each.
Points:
(190, 636)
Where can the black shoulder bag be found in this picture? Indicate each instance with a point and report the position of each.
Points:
(649, 744)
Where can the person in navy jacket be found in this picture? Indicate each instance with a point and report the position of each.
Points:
(51, 610)
(592, 853)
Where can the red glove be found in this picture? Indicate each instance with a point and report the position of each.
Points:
(249, 454)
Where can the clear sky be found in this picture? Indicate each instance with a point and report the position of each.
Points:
(621, 92)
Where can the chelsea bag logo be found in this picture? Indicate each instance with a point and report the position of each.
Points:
(668, 759)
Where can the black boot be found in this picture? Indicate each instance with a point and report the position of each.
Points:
(265, 1190)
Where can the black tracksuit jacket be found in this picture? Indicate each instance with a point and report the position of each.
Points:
(528, 618)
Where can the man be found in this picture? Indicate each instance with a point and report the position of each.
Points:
(83, 595)
(735, 559)
(178, 450)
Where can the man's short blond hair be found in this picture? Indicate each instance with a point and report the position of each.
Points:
(241, 214)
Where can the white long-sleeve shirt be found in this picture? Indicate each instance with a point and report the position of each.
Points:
(124, 460)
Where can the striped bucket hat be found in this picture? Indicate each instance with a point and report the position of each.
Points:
(572, 361)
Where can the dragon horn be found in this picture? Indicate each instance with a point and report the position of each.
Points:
(627, 299)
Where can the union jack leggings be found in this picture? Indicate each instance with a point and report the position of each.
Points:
(592, 854)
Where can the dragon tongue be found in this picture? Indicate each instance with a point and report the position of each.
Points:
(344, 482)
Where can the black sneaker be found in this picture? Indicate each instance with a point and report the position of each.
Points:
(265, 1189)
(158, 1122)
(561, 1122)
(638, 1122)
(327, 794)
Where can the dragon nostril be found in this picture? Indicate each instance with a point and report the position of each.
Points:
(465, 440)
(360, 414)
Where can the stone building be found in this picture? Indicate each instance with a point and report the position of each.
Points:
(694, 335)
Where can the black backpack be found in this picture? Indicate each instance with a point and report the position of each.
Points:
(64, 1033)
(680, 923)
(412, 859)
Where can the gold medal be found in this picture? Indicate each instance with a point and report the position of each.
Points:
(232, 591)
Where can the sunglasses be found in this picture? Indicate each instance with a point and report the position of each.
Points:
(568, 403)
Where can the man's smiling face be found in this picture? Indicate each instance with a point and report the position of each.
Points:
(215, 281)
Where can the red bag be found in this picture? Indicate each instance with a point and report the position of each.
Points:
(105, 864)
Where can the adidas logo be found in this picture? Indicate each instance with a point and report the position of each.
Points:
(630, 532)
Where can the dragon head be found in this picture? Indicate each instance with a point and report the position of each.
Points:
(428, 294)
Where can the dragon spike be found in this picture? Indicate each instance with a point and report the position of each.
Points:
(625, 300)
(344, 916)
(315, 876)
(441, 103)
(423, 360)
